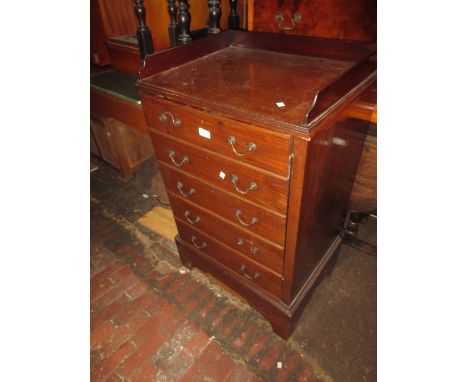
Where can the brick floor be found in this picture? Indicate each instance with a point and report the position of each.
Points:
(336, 332)
(153, 325)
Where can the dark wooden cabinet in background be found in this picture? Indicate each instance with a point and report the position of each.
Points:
(257, 136)
(348, 20)
(119, 134)
(102, 141)
(342, 19)
(114, 26)
(109, 18)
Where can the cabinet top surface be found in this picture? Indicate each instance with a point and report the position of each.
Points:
(272, 85)
(260, 76)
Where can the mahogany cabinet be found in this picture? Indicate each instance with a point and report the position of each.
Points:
(342, 19)
(364, 195)
(119, 135)
(258, 143)
(101, 140)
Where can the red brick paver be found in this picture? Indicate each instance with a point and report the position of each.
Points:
(148, 326)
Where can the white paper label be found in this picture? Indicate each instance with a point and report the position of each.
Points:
(280, 104)
(222, 175)
(204, 133)
(339, 141)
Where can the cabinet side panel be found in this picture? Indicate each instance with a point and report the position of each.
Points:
(364, 194)
(102, 135)
(333, 156)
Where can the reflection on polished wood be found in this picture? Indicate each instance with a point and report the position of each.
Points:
(349, 19)
(364, 195)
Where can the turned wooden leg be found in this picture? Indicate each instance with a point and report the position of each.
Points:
(145, 41)
(233, 18)
(351, 230)
(214, 14)
(353, 224)
(183, 21)
(172, 28)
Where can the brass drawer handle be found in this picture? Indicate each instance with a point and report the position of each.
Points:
(252, 186)
(254, 277)
(194, 241)
(187, 216)
(253, 220)
(250, 146)
(185, 159)
(280, 18)
(163, 117)
(253, 248)
(185, 195)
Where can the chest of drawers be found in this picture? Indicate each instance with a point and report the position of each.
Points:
(258, 151)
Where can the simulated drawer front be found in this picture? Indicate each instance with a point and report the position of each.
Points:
(249, 270)
(346, 20)
(252, 184)
(236, 140)
(241, 213)
(263, 252)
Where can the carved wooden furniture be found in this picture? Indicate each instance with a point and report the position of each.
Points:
(117, 36)
(194, 19)
(121, 39)
(233, 18)
(364, 194)
(143, 33)
(180, 30)
(258, 146)
(119, 134)
(363, 200)
(350, 19)
(127, 51)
